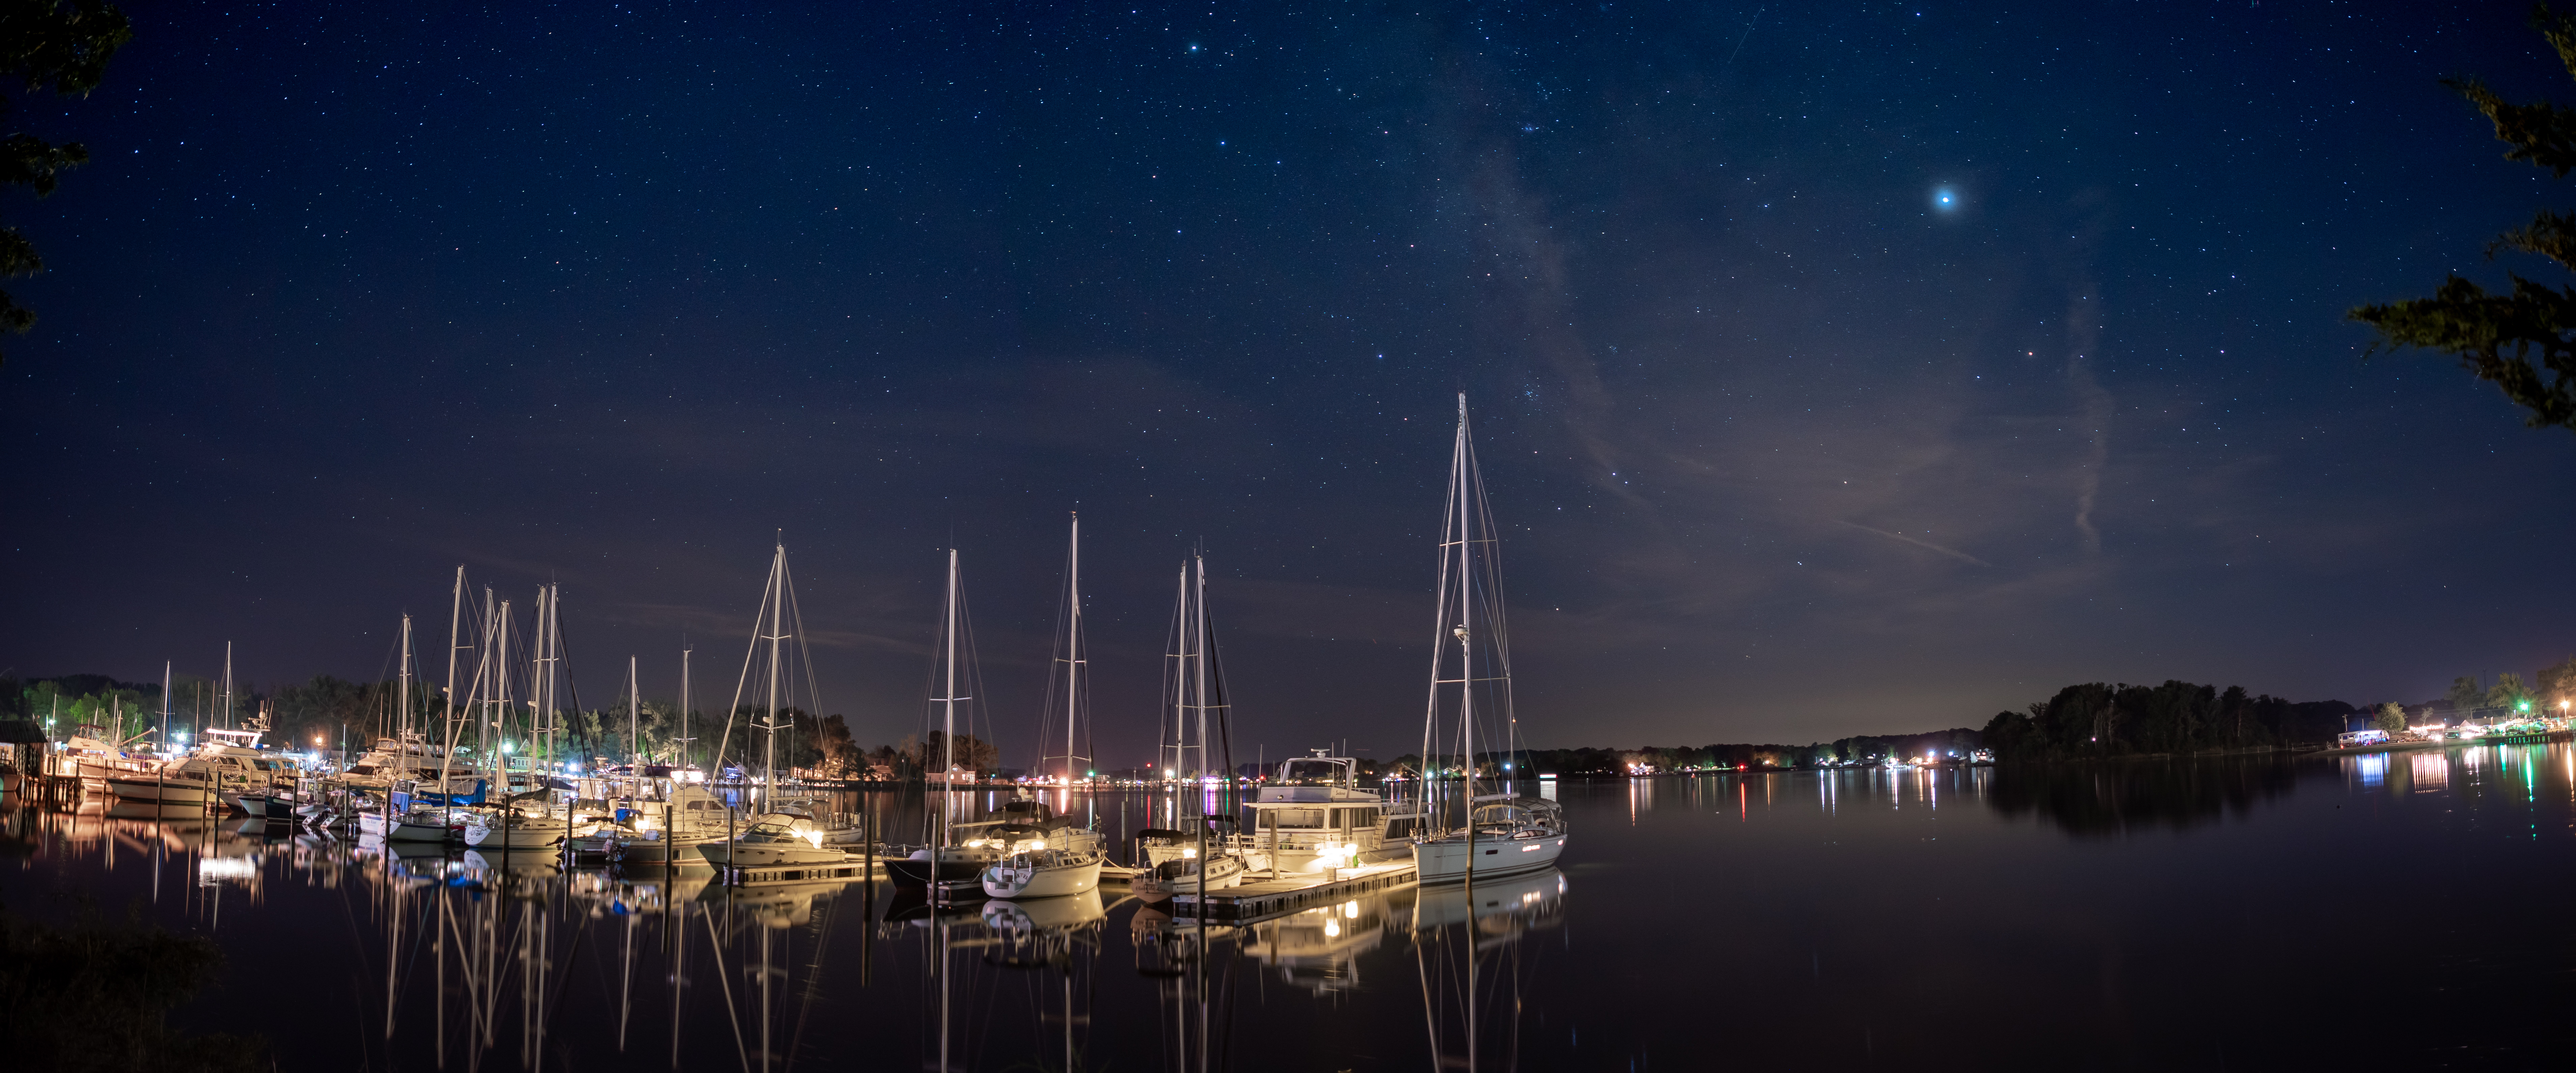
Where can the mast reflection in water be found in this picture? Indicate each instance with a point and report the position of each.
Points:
(1830, 919)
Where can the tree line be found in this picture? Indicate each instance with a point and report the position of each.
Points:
(331, 713)
(2098, 719)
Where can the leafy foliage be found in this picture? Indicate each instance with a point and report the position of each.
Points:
(2508, 693)
(2466, 695)
(2523, 341)
(57, 45)
(2557, 682)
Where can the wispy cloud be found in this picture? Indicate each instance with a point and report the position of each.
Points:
(1924, 544)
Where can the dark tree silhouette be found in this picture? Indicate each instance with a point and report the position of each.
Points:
(2524, 341)
(61, 45)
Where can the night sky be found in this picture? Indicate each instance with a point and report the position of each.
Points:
(1838, 368)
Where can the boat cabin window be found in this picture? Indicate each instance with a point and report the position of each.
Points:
(1309, 770)
(1297, 817)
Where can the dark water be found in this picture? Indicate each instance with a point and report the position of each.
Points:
(2243, 914)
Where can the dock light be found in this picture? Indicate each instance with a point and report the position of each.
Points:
(1037, 843)
(1167, 773)
(1189, 853)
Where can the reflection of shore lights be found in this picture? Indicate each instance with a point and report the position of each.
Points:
(227, 868)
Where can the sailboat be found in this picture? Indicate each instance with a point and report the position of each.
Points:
(688, 815)
(527, 820)
(179, 784)
(1059, 869)
(1198, 760)
(773, 838)
(1503, 834)
(399, 819)
(959, 853)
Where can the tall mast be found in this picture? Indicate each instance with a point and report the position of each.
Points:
(402, 688)
(948, 726)
(1199, 668)
(165, 705)
(777, 598)
(228, 684)
(499, 704)
(1072, 645)
(554, 661)
(536, 699)
(1466, 615)
(1181, 678)
(455, 615)
(489, 674)
(634, 701)
(681, 755)
(553, 642)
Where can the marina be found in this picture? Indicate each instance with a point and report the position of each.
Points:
(536, 965)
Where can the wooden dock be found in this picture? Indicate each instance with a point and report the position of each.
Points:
(854, 868)
(1272, 897)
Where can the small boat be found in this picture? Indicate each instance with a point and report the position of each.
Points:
(601, 842)
(185, 783)
(418, 825)
(278, 805)
(1184, 876)
(1045, 873)
(771, 842)
(653, 849)
(510, 827)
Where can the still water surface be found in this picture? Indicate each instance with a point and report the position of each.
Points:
(2157, 915)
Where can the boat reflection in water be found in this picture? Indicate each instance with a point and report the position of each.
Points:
(1468, 951)
(1049, 947)
(471, 961)
(1464, 944)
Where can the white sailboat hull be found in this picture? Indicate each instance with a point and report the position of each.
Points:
(1222, 874)
(155, 789)
(1003, 881)
(1446, 861)
(405, 829)
(521, 833)
(788, 854)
